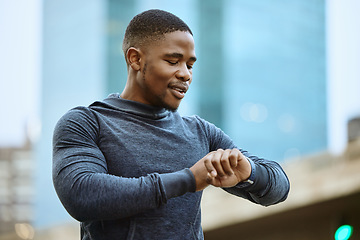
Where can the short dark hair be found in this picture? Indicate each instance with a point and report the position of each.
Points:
(151, 25)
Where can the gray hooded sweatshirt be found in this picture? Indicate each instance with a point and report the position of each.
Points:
(121, 168)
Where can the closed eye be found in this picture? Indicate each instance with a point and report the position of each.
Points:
(175, 62)
(172, 62)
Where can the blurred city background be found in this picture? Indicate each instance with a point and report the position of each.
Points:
(281, 77)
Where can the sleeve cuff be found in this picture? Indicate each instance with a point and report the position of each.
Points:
(257, 180)
(178, 183)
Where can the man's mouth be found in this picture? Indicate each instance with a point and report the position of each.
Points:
(179, 89)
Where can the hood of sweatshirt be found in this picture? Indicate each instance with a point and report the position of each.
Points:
(114, 101)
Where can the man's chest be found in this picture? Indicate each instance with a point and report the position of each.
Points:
(136, 150)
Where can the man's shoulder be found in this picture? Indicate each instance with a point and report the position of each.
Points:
(195, 119)
(192, 118)
(198, 121)
(79, 115)
(77, 112)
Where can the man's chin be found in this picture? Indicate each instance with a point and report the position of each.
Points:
(172, 107)
(169, 104)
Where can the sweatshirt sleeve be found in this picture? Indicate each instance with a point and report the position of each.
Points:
(85, 188)
(270, 185)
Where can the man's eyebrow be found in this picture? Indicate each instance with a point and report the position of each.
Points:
(178, 55)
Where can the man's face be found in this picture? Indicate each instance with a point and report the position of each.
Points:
(166, 70)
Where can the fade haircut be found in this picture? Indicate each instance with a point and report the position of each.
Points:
(151, 25)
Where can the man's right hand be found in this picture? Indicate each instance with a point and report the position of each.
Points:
(202, 177)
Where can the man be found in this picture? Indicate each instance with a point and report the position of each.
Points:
(130, 167)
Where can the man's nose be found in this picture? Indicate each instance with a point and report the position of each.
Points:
(184, 73)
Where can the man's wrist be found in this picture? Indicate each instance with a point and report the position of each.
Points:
(251, 180)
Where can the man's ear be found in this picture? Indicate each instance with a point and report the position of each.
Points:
(133, 56)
